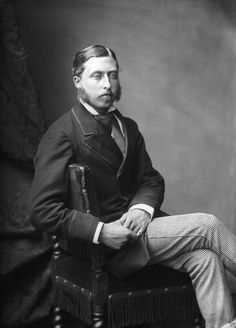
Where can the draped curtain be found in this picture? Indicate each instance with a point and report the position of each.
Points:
(24, 252)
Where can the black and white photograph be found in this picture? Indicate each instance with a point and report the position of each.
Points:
(118, 163)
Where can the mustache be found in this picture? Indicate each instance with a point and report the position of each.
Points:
(116, 96)
(109, 93)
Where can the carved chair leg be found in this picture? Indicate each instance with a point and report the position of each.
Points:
(57, 317)
(98, 316)
(198, 323)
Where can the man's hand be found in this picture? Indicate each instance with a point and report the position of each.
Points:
(115, 235)
(136, 220)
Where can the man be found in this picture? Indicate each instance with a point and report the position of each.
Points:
(129, 190)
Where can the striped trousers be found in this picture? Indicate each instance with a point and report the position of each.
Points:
(201, 245)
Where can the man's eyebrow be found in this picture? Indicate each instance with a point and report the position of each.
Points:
(102, 72)
(96, 72)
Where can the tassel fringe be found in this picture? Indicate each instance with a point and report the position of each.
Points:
(73, 299)
(163, 305)
(175, 304)
(95, 253)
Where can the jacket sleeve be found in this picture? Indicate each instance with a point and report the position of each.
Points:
(150, 185)
(48, 208)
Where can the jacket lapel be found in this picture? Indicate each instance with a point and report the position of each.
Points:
(96, 137)
(128, 145)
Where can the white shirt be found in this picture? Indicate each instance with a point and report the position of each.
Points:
(144, 207)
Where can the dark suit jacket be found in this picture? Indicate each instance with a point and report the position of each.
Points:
(119, 182)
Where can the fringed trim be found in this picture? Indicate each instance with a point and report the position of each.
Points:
(76, 248)
(93, 253)
(165, 305)
(73, 299)
(98, 256)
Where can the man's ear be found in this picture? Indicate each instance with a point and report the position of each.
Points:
(77, 81)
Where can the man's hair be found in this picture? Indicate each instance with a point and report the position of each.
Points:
(92, 51)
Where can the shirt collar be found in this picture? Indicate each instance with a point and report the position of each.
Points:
(93, 111)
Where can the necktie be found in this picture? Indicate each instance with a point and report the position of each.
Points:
(106, 121)
(110, 123)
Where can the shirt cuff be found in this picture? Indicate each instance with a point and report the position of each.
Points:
(97, 232)
(145, 208)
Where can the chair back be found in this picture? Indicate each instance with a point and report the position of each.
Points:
(82, 197)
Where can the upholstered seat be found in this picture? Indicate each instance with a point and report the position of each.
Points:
(154, 294)
(83, 288)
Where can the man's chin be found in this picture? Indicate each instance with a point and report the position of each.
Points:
(101, 107)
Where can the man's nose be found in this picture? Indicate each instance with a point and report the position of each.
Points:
(106, 82)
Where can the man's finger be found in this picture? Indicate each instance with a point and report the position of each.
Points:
(137, 229)
(127, 223)
(140, 232)
(123, 219)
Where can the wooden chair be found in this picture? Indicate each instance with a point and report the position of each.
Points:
(84, 289)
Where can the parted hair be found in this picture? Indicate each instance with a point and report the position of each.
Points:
(84, 55)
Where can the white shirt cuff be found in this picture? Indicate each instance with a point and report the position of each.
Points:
(97, 232)
(144, 207)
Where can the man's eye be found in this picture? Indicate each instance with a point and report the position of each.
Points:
(114, 76)
(97, 76)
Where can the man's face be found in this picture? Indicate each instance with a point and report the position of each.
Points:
(99, 83)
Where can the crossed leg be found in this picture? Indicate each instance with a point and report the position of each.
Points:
(201, 245)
